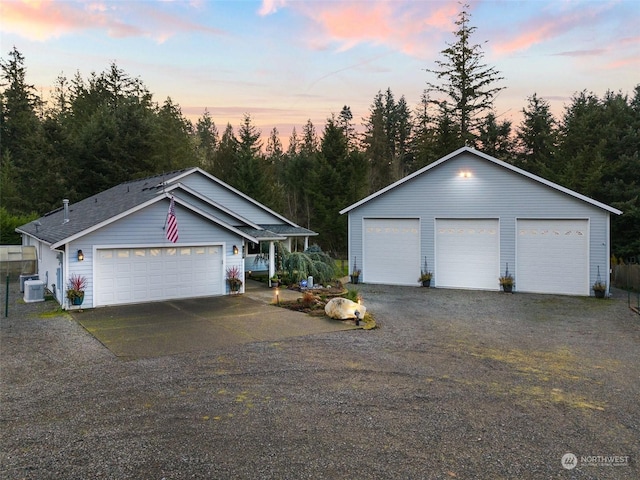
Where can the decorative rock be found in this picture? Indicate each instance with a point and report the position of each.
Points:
(342, 309)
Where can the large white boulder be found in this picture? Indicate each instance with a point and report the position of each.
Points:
(342, 309)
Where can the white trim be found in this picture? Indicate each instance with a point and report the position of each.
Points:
(95, 260)
(607, 244)
(491, 159)
(229, 187)
(141, 206)
(213, 219)
(214, 204)
(110, 220)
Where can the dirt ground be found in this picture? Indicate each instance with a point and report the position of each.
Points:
(453, 384)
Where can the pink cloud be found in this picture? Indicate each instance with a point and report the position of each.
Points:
(547, 27)
(41, 20)
(631, 61)
(44, 19)
(403, 26)
(270, 6)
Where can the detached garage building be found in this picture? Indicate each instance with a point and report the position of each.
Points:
(470, 215)
(118, 239)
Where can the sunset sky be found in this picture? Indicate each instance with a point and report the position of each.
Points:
(284, 62)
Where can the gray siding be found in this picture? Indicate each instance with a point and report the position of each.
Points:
(49, 266)
(145, 227)
(491, 192)
(230, 199)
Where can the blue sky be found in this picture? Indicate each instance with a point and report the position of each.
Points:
(284, 62)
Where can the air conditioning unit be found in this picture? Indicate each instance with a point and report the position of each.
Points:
(24, 278)
(33, 291)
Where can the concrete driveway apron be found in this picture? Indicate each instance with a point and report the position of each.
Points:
(213, 323)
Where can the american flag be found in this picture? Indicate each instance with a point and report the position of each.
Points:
(172, 223)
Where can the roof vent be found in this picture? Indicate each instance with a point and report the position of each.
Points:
(65, 204)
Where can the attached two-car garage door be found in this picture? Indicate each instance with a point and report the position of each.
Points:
(138, 275)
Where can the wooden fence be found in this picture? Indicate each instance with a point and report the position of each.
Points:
(626, 276)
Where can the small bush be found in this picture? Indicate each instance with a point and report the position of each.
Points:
(352, 294)
(308, 299)
(297, 265)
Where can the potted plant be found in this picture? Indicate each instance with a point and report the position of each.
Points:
(233, 279)
(355, 273)
(75, 289)
(507, 281)
(599, 289)
(275, 281)
(425, 275)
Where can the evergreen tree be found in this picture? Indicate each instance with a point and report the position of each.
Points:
(468, 84)
(377, 146)
(172, 139)
(403, 128)
(250, 174)
(598, 157)
(345, 122)
(423, 138)
(294, 143)
(226, 155)
(310, 143)
(22, 152)
(206, 142)
(274, 146)
(537, 138)
(275, 160)
(495, 138)
(326, 189)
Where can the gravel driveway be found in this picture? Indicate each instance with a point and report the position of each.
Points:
(454, 384)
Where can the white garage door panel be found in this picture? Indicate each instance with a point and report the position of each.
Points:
(391, 251)
(553, 256)
(137, 275)
(467, 253)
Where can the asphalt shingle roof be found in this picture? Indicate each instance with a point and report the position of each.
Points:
(85, 214)
(96, 209)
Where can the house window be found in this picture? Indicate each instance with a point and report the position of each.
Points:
(254, 248)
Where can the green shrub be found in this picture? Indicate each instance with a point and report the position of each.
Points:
(297, 265)
(8, 224)
(352, 294)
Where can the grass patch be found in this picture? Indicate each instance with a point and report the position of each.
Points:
(540, 369)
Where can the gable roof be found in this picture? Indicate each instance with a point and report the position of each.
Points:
(122, 200)
(489, 158)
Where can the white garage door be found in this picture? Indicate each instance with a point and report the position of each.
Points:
(467, 253)
(391, 251)
(138, 275)
(553, 256)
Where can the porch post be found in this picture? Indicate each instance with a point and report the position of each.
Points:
(306, 243)
(272, 260)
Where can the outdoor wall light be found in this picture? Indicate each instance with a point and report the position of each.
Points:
(80, 256)
(235, 250)
(465, 174)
